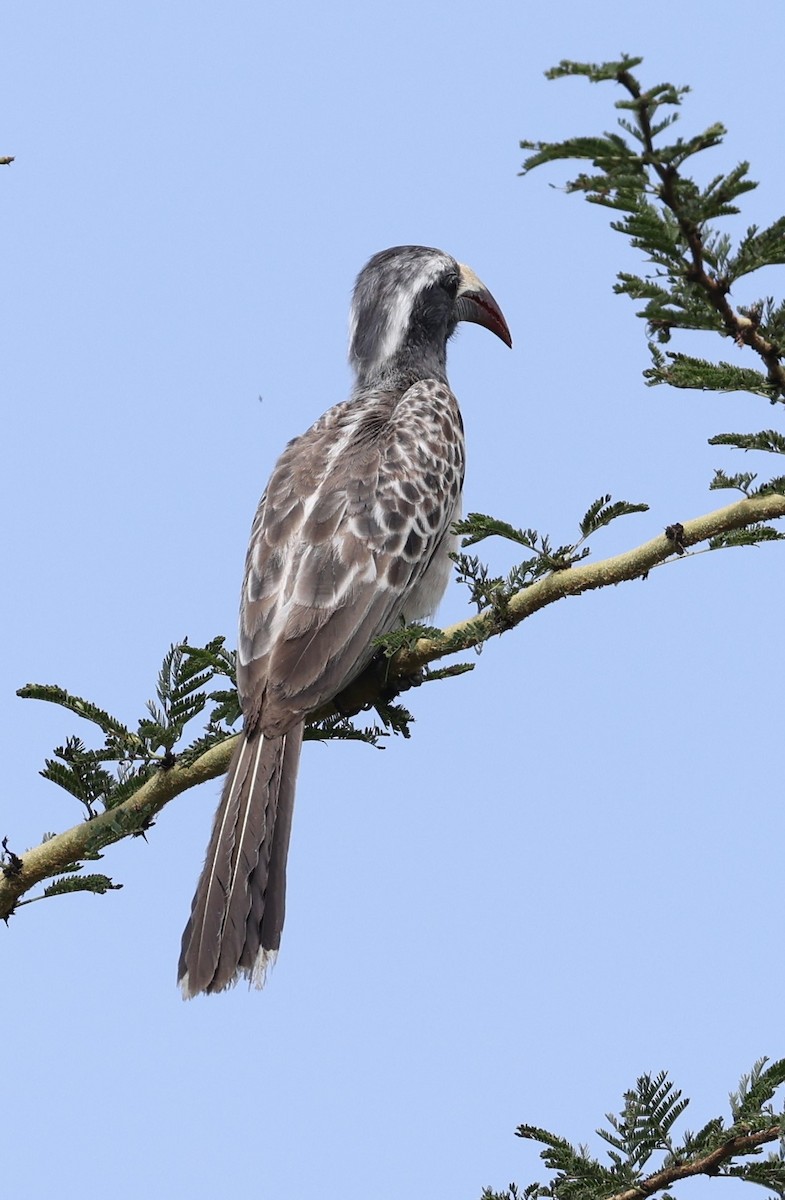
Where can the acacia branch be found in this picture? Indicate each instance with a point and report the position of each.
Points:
(133, 815)
(632, 564)
(743, 330)
(130, 818)
(708, 1164)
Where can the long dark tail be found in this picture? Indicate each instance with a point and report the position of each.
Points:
(238, 911)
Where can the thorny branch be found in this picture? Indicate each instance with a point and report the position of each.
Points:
(709, 1164)
(134, 814)
(742, 329)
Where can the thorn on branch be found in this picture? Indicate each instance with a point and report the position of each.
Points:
(11, 863)
(675, 534)
(141, 832)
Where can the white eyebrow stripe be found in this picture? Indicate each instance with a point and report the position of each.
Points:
(412, 280)
(398, 319)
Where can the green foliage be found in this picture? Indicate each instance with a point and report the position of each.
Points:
(742, 481)
(179, 699)
(134, 756)
(342, 729)
(83, 708)
(755, 1092)
(644, 1125)
(751, 535)
(692, 264)
(488, 591)
(98, 884)
(450, 672)
(405, 638)
(477, 526)
(686, 371)
(395, 718)
(102, 778)
(767, 439)
(644, 1157)
(603, 511)
(672, 219)
(757, 249)
(494, 592)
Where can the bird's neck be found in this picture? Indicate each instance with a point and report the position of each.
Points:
(403, 369)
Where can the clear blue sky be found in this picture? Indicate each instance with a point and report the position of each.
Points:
(573, 872)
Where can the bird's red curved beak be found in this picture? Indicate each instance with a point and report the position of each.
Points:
(475, 303)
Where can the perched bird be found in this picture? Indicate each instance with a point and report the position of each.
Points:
(351, 537)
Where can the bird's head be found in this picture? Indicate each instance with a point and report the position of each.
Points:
(407, 303)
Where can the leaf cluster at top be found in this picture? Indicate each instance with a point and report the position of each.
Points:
(644, 1156)
(494, 592)
(642, 173)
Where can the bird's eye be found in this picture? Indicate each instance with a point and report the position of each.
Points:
(450, 282)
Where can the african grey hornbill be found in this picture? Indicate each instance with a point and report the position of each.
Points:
(351, 536)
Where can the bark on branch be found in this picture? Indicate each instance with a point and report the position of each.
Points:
(708, 1164)
(133, 815)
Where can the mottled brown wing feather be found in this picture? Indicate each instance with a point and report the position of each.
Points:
(353, 515)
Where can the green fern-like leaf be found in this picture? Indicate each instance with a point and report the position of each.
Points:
(767, 439)
(64, 776)
(645, 1122)
(740, 482)
(83, 708)
(342, 729)
(684, 371)
(185, 707)
(130, 778)
(475, 527)
(98, 884)
(406, 637)
(671, 219)
(596, 72)
(579, 1175)
(756, 1089)
(602, 512)
(214, 735)
(226, 706)
(645, 1127)
(429, 675)
(395, 718)
(706, 1139)
(78, 771)
(752, 535)
(759, 248)
(769, 1174)
(213, 657)
(776, 485)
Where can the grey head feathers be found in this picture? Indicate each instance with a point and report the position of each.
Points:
(407, 302)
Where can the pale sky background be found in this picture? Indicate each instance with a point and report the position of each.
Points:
(573, 872)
